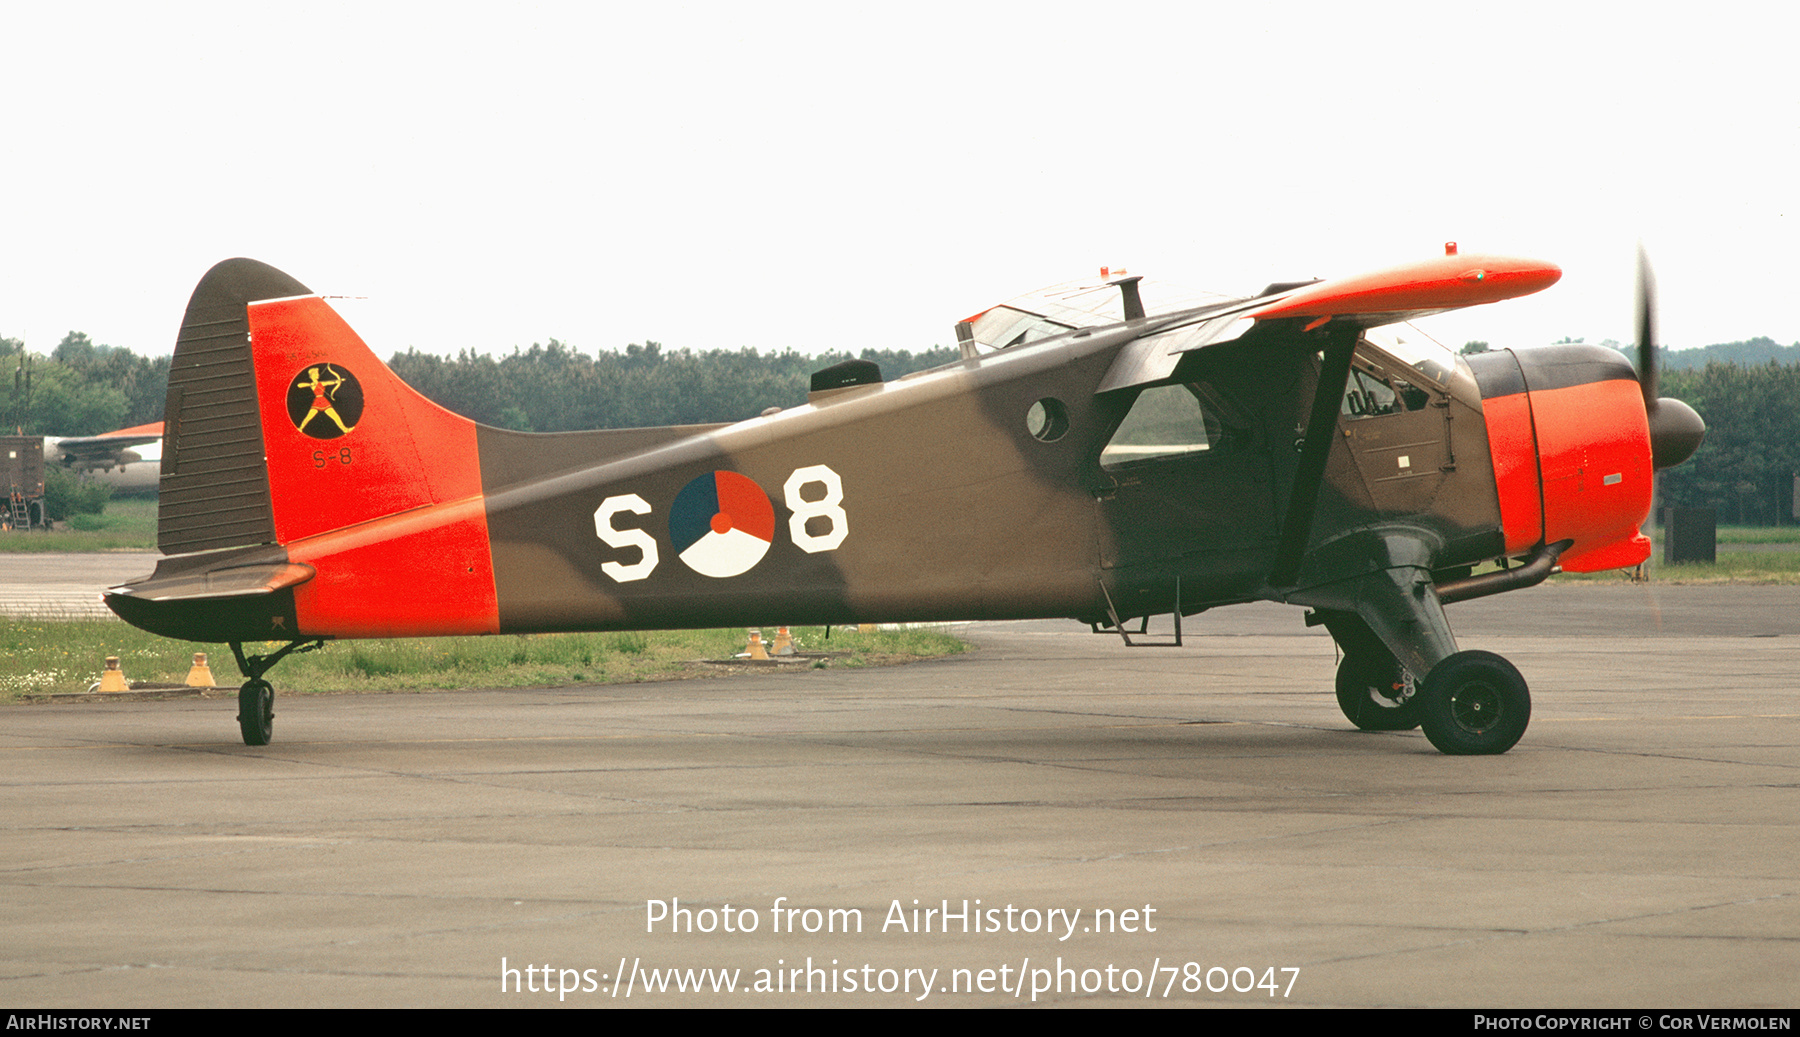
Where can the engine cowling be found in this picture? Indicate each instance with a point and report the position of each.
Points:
(1571, 443)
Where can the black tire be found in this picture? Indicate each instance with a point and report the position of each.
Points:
(256, 712)
(1474, 704)
(1374, 693)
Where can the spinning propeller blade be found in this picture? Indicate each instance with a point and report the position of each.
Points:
(1675, 429)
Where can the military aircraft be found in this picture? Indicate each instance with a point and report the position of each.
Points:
(129, 460)
(1085, 459)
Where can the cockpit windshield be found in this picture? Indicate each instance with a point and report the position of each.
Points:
(1401, 355)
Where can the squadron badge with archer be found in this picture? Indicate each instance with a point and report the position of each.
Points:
(325, 401)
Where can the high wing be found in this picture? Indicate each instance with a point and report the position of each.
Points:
(1190, 320)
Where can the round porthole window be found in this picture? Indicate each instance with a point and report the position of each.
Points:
(1047, 420)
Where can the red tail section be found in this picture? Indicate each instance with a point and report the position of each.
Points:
(375, 486)
(345, 440)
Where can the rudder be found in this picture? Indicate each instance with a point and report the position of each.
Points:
(346, 440)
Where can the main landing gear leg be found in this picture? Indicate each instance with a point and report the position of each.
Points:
(1469, 703)
(256, 699)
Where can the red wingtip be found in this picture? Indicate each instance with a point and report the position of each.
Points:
(1441, 283)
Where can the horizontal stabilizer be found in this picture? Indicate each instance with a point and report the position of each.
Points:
(219, 583)
(245, 594)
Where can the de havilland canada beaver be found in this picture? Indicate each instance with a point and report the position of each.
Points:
(1089, 457)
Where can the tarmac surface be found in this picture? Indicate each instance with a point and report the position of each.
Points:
(66, 586)
(1636, 850)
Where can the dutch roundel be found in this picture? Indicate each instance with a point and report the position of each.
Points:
(721, 524)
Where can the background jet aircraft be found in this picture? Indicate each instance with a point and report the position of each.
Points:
(129, 460)
(1077, 463)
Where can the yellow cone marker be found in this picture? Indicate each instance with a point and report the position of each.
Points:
(113, 679)
(756, 651)
(201, 675)
(784, 642)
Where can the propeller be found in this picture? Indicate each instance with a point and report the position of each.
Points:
(1675, 429)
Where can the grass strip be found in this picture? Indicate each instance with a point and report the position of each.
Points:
(128, 524)
(41, 656)
(1763, 568)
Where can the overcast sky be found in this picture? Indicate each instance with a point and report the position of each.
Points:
(816, 176)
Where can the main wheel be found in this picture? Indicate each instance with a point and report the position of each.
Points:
(1474, 704)
(256, 711)
(1376, 693)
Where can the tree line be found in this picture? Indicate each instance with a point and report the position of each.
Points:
(1746, 467)
(80, 389)
(555, 388)
(84, 389)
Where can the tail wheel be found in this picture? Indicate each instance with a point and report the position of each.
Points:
(256, 711)
(1376, 693)
(1474, 704)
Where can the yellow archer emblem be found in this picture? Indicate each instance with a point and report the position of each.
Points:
(324, 399)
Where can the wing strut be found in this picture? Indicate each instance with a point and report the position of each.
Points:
(1309, 473)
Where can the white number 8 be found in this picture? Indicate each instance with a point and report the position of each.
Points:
(825, 507)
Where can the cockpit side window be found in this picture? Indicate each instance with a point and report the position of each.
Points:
(1370, 393)
(1167, 421)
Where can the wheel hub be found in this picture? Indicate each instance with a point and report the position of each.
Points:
(1476, 707)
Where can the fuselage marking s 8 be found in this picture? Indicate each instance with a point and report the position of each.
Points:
(722, 523)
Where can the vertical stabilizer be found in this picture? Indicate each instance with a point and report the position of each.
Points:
(307, 491)
(215, 487)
